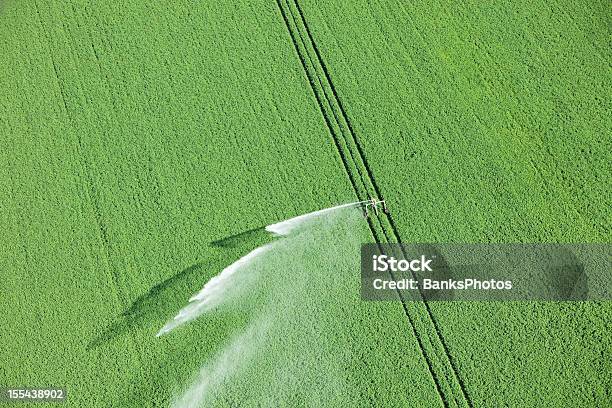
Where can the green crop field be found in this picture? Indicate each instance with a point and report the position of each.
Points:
(144, 146)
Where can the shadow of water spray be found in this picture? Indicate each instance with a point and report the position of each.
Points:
(166, 297)
(242, 239)
(154, 305)
(303, 282)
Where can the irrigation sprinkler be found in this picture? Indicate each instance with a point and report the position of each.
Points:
(375, 205)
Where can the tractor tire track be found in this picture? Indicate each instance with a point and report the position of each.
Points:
(448, 383)
(320, 104)
(91, 191)
(436, 368)
(361, 196)
(378, 194)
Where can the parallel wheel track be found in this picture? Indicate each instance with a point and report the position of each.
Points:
(441, 366)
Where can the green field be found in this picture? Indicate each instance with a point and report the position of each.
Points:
(135, 138)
